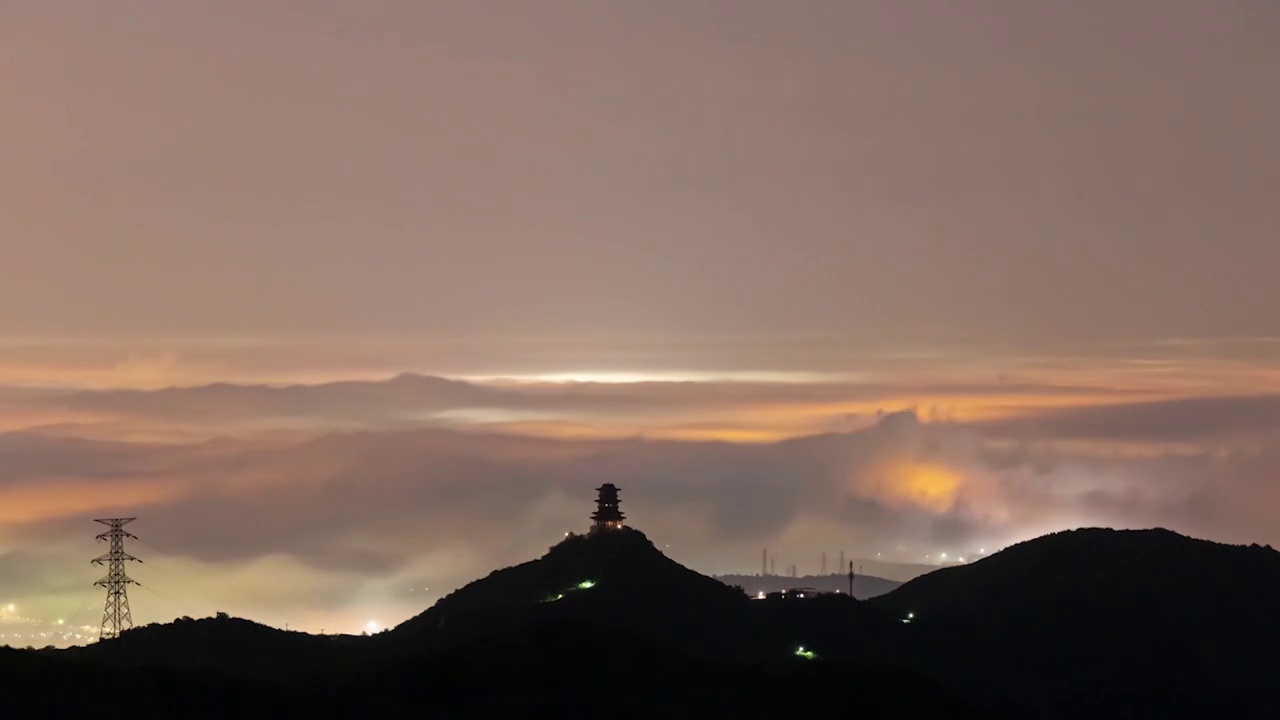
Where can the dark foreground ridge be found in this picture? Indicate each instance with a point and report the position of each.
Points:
(1091, 623)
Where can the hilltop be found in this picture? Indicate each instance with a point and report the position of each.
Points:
(229, 645)
(1084, 622)
(615, 579)
(1138, 574)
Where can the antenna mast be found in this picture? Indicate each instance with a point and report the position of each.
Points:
(116, 617)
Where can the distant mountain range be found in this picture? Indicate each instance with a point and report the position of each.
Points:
(864, 586)
(1090, 623)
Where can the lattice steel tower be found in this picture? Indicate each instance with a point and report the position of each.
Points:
(116, 617)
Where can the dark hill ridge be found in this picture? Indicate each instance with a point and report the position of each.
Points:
(1088, 623)
(565, 669)
(600, 626)
(615, 579)
(572, 670)
(1083, 622)
(234, 646)
(1154, 574)
(618, 581)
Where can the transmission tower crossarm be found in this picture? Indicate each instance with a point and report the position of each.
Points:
(108, 557)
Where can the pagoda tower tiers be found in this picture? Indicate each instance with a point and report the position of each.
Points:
(607, 515)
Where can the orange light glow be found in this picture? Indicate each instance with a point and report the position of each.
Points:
(929, 486)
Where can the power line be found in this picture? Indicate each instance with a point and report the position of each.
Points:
(116, 617)
(166, 569)
(172, 603)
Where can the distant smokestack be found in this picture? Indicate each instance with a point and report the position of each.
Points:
(764, 562)
(824, 564)
(851, 578)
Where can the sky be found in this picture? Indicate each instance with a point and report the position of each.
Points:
(350, 303)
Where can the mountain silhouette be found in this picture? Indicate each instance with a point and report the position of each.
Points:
(616, 579)
(1088, 623)
(603, 625)
(229, 645)
(1101, 623)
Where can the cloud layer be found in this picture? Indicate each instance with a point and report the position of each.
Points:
(323, 504)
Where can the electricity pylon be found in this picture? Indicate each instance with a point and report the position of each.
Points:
(116, 617)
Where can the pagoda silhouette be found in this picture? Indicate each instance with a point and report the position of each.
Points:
(607, 516)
